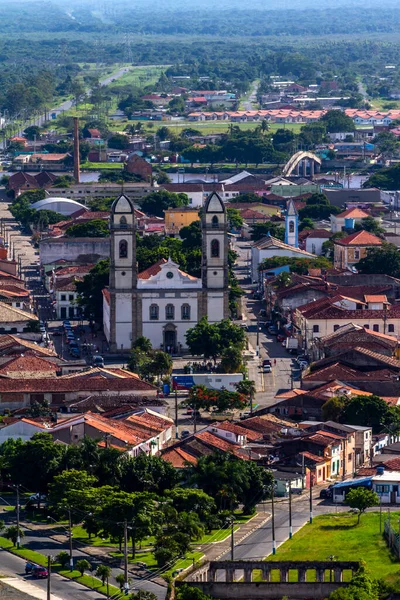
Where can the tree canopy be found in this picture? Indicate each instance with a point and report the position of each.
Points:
(210, 339)
(156, 203)
(96, 229)
(385, 259)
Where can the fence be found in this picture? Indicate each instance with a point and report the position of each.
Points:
(392, 537)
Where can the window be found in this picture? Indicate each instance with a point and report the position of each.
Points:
(356, 254)
(70, 297)
(349, 456)
(215, 249)
(291, 226)
(185, 312)
(154, 312)
(123, 249)
(375, 327)
(18, 304)
(382, 489)
(214, 222)
(123, 223)
(315, 328)
(63, 297)
(336, 327)
(169, 311)
(391, 328)
(313, 249)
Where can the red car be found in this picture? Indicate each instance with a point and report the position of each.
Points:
(40, 572)
(280, 337)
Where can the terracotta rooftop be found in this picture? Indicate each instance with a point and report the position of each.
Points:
(9, 342)
(218, 443)
(153, 270)
(354, 213)
(343, 372)
(237, 429)
(29, 366)
(313, 457)
(9, 314)
(360, 238)
(376, 298)
(178, 457)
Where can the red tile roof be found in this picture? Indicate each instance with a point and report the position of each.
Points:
(355, 213)
(343, 372)
(313, 457)
(218, 443)
(238, 429)
(28, 366)
(178, 457)
(153, 270)
(376, 298)
(360, 238)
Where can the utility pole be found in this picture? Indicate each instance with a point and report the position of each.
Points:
(273, 521)
(311, 507)
(232, 537)
(126, 584)
(176, 415)
(71, 560)
(49, 578)
(18, 535)
(290, 510)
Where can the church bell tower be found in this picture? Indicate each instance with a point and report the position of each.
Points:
(292, 225)
(123, 273)
(214, 226)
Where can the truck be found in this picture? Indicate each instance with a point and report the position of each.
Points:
(209, 380)
(292, 344)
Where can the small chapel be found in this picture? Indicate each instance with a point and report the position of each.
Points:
(163, 302)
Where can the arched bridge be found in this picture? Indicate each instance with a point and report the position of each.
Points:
(301, 157)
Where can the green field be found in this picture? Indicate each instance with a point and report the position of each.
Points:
(139, 76)
(340, 536)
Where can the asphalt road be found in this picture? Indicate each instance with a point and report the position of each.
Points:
(12, 566)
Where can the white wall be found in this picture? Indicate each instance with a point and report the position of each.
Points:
(123, 313)
(18, 430)
(314, 245)
(215, 306)
(106, 319)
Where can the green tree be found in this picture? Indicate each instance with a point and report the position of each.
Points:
(370, 224)
(306, 223)
(385, 259)
(146, 473)
(186, 592)
(333, 408)
(143, 595)
(191, 235)
(191, 500)
(163, 133)
(12, 533)
(215, 400)
(368, 411)
(210, 339)
(95, 229)
(63, 558)
(69, 488)
(246, 387)
(231, 481)
(385, 179)
(156, 203)
(260, 230)
(36, 462)
(82, 565)
(234, 218)
(32, 132)
(336, 121)
(90, 297)
(104, 572)
(231, 360)
(119, 141)
(361, 499)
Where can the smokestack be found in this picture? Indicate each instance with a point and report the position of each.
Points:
(77, 170)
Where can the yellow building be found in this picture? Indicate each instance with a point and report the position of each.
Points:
(176, 218)
(350, 250)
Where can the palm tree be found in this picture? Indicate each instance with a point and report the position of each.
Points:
(12, 533)
(82, 565)
(247, 387)
(103, 572)
(264, 126)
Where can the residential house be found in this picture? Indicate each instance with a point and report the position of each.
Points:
(314, 241)
(22, 429)
(325, 316)
(352, 335)
(64, 392)
(14, 320)
(352, 197)
(12, 345)
(65, 296)
(269, 247)
(347, 219)
(176, 218)
(350, 250)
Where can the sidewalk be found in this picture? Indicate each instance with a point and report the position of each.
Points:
(25, 587)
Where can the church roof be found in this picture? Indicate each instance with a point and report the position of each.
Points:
(214, 203)
(153, 270)
(291, 209)
(271, 242)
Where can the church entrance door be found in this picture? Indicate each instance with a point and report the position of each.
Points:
(170, 341)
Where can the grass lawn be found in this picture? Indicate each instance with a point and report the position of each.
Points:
(80, 535)
(139, 76)
(339, 535)
(241, 518)
(101, 166)
(216, 536)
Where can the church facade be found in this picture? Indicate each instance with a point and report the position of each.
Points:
(163, 302)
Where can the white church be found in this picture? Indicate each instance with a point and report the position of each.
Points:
(163, 302)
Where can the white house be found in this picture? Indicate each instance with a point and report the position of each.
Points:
(269, 247)
(22, 429)
(316, 239)
(348, 217)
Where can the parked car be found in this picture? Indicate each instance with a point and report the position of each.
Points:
(326, 493)
(267, 369)
(281, 337)
(39, 572)
(98, 361)
(303, 365)
(185, 433)
(245, 415)
(273, 330)
(29, 566)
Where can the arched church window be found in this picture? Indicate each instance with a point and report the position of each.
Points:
(291, 226)
(170, 311)
(123, 249)
(214, 222)
(185, 312)
(215, 248)
(153, 312)
(123, 223)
